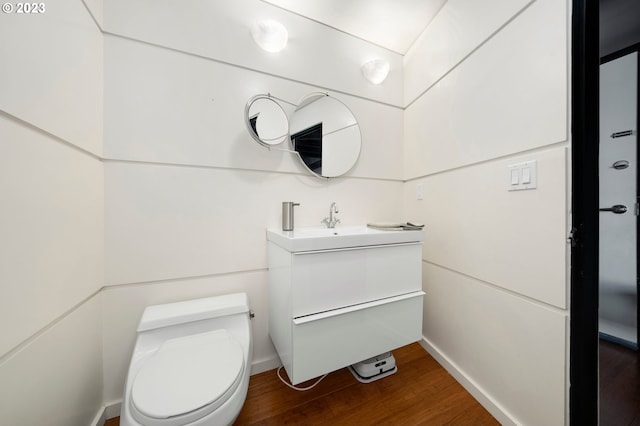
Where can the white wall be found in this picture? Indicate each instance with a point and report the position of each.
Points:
(188, 194)
(51, 220)
(219, 29)
(485, 87)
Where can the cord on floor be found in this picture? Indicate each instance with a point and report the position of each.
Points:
(297, 388)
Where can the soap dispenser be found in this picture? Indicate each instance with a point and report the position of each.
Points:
(287, 215)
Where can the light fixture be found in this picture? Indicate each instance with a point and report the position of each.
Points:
(376, 70)
(270, 35)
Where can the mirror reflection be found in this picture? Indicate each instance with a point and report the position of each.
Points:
(266, 120)
(325, 134)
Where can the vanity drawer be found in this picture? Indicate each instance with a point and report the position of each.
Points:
(331, 279)
(333, 340)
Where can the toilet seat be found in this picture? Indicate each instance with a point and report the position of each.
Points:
(187, 378)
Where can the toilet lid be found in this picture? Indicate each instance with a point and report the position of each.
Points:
(192, 374)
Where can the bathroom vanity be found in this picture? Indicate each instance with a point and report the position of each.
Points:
(340, 296)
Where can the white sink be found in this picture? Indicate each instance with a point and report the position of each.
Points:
(319, 238)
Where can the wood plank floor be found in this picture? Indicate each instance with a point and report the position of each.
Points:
(420, 393)
(619, 385)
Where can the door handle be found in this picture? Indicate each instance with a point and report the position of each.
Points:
(621, 134)
(620, 165)
(617, 209)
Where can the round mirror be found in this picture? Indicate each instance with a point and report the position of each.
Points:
(266, 120)
(325, 134)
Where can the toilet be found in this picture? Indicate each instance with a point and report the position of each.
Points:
(190, 364)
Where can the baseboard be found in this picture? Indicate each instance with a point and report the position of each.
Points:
(266, 364)
(470, 385)
(112, 409)
(618, 341)
(107, 412)
(99, 419)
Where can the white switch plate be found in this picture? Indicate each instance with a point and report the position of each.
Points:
(522, 176)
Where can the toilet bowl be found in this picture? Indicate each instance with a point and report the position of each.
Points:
(191, 363)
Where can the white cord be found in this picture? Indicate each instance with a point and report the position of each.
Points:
(296, 388)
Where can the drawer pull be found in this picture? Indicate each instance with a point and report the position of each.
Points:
(302, 253)
(354, 308)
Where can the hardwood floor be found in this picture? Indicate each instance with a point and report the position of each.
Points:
(619, 385)
(420, 393)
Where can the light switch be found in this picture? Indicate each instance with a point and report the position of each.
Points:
(420, 191)
(515, 178)
(523, 175)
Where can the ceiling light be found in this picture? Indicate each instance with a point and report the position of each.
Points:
(376, 70)
(270, 35)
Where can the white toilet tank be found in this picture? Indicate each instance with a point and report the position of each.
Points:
(192, 310)
(175, 324)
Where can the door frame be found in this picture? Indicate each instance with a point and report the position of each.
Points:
(583, 341)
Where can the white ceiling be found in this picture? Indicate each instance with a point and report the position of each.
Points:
(394, 24)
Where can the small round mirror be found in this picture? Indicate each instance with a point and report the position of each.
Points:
(326, 135)
(266, 120)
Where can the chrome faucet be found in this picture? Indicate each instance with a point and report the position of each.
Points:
(332, 219)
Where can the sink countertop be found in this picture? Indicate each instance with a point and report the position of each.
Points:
(320, 238)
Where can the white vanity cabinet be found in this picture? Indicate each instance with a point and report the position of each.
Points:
(342, 303)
